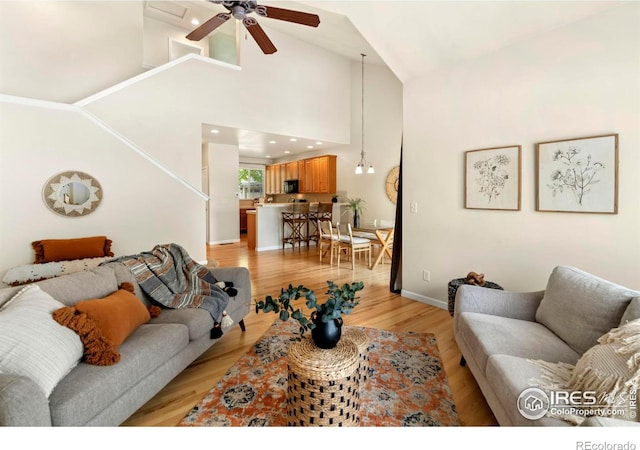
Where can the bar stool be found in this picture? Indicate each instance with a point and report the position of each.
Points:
(295, 225)
(324, 211)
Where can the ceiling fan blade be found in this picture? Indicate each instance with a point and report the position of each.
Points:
(208, 27)
(259, 35)
(311, 20)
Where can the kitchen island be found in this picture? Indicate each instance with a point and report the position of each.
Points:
(268, 223)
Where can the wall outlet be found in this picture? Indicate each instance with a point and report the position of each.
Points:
(426, 275)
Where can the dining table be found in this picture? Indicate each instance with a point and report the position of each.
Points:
(381, 235)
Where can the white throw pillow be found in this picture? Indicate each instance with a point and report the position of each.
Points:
(610, 369)
(34, 345)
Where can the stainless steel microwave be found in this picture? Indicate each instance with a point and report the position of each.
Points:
(290, 187)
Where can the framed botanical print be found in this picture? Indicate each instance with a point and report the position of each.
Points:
(578, 175)
(492, 178)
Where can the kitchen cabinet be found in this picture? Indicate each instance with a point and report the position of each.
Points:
(275, 175)
(315, 175)
(251, 229)
(291, 170)
(243, 219)
(269, 173)
(307, 184)
(320, 175)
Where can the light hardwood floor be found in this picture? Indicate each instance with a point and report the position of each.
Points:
(378, 308)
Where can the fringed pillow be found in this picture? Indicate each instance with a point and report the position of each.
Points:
(610, 369)
(31, 273)
(48, 250)
(103, 324)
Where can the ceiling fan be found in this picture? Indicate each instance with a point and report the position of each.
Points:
(240, 11)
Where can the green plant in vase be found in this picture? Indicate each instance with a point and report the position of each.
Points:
(355, 204)
(324, 320)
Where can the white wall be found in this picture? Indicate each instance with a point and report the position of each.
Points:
(66, 50)
(157, 36)
(301, 90)
(383, 136)
(308, 98)
(224, 221)
(141, 207)
(581, 80)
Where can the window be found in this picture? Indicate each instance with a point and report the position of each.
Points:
(251, 183)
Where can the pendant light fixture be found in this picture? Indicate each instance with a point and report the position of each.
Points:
(363, 162)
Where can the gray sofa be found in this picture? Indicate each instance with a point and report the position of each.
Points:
(501, 333)
(151, 356)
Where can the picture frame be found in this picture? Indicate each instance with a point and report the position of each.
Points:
(578, 175)
(493, 178)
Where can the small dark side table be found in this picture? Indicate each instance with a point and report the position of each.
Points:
(455, 284)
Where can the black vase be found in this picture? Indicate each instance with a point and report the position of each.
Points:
(326, 334)
(356, 219)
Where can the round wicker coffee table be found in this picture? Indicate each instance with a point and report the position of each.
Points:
(323, 385)
(362, 341)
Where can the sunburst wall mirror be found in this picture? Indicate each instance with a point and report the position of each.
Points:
(72, 194)
(391, 184)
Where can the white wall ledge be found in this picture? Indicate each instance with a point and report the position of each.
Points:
(151, 73)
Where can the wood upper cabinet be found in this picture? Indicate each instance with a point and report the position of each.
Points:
(291, 170)
(314, 175)
(268, 184)
(320, 175)
(275, 174)
(270, 179)
(306, 184)
(327, 182)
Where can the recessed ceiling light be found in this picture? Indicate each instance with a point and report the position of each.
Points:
(267, 156)
(272, 142)
(286, 152)
(215, 131)
(195, 22)
(293, 139)
(318, 143)
(309, 146)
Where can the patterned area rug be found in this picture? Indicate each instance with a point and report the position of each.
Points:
(407, 384)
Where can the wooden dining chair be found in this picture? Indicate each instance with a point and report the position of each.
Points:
(324, 211)
(328, 240)
(353, 245)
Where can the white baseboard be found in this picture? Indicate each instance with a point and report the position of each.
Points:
(271, 247)
(424, 299)
(227, 241)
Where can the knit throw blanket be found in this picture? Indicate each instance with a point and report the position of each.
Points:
(169, 276)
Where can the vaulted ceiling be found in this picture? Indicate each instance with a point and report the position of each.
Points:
(416, 37)
(412, 38)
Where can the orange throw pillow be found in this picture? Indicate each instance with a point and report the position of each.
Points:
(50, 250)
(103, 324)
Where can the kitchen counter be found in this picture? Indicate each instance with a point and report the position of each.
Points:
(268, 223)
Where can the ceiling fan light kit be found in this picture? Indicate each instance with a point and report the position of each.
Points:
(241, 10)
